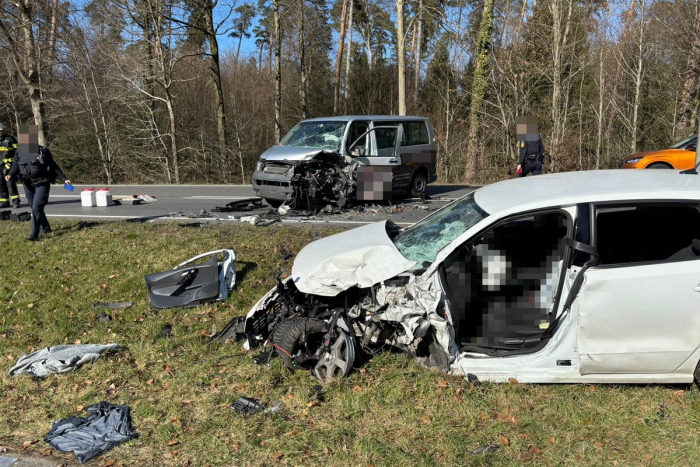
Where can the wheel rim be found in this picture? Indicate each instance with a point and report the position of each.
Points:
(419, 183)
(337, 362)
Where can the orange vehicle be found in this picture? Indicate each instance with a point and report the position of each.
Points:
(680, 156)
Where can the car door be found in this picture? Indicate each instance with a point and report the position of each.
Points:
(639, 310)
(376, 171)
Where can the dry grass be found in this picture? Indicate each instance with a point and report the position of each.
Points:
(392, 412)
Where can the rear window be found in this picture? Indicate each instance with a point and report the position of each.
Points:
(647, 232)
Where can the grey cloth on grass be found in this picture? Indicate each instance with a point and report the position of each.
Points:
(107, 426)
(59, 359)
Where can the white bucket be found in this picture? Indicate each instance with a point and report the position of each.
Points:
(103, 197)
(87, 197)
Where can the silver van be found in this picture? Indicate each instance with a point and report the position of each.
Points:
(398, 151)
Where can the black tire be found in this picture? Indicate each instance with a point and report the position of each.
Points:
(288, 333)
(275, 203)
(659, 165)
(418, 184)
(696, 375)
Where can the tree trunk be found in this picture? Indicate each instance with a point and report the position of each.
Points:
(638, 78)
(601, 89)
(339, 58)
(278, 73)
(419, 41)
(560, 28)
(173, 137)
(302, 62)
(692, 79)
(216, 75)
(479, 84)
(401, 52)
(347, 60)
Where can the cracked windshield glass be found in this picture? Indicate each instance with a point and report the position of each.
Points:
(322, 135)
(422, 241)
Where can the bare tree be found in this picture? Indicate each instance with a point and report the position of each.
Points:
(401, 52)
(339, 58)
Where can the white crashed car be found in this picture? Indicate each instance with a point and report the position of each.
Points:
(575, 277)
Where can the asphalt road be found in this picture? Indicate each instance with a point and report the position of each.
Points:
(196, 202)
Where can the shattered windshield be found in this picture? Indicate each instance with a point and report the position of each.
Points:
(422, 241)
(322, 135)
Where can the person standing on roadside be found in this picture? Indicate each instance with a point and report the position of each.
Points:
(530, 147)
(8, 190)
(38, 170)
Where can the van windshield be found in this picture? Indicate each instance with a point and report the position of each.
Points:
(317, 134)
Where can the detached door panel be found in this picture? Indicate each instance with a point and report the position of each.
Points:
(639, 318)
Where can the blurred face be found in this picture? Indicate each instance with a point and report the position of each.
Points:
(28, 138)
(526, 128)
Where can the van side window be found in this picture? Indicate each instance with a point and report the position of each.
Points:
(404, 133)
(647, 232)
(418, 133)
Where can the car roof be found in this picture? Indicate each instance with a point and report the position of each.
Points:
(570, 188)
(345, 118)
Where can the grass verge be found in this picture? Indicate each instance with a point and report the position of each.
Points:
(391, 412)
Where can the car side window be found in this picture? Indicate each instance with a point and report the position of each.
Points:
(418, 133)
(647, 232)
(356, 130)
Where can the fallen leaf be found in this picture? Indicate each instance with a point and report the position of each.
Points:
(551, 440)
(113, 276)
(311, 404)
(47, 452)
(109, 463)
(598, 444)
(79, 408)
(426, 420)
(235, 446)
(173, 442)
(31, 305)
(505, 441)
(174, 453)
(512, 381)
(277, 457)
(679, 393)
(357, 389)
(534, 450)
(592, 389)
(26, 444)
(523, 436)
(442, 383)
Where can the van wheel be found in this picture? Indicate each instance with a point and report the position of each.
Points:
(418, 184)
(659, 165)
(274, 202)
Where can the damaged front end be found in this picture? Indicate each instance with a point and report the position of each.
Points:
(327, 178)
(329, 335)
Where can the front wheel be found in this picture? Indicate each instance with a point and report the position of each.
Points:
(658, 165)
(418, 184)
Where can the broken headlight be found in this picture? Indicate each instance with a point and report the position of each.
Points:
(260, 166)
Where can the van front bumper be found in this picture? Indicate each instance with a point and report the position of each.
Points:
(270, 186)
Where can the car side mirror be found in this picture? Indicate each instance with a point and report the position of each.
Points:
(691, 148)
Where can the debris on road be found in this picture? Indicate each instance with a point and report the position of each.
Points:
(191, 285)
(105, 427)
(104, 317)
(59, 359)
(247, 204)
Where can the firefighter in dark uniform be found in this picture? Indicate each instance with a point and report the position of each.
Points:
(38, 170)
(531, 157)
(8, 148)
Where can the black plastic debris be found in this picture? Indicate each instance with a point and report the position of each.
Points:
(486, 449)
(234, 330)
(247, 406)
(263, 358)
(167, 331)
(113, 306)
(240, 205)
(106, 426)
(5, 215)
(472, 378)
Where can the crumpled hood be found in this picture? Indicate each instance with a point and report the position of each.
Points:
(360, 257)
(288, 153)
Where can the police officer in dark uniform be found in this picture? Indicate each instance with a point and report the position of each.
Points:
(38, 170)
(531, 157)
(8, 190)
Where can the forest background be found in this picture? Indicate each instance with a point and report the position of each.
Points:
(161, 91)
